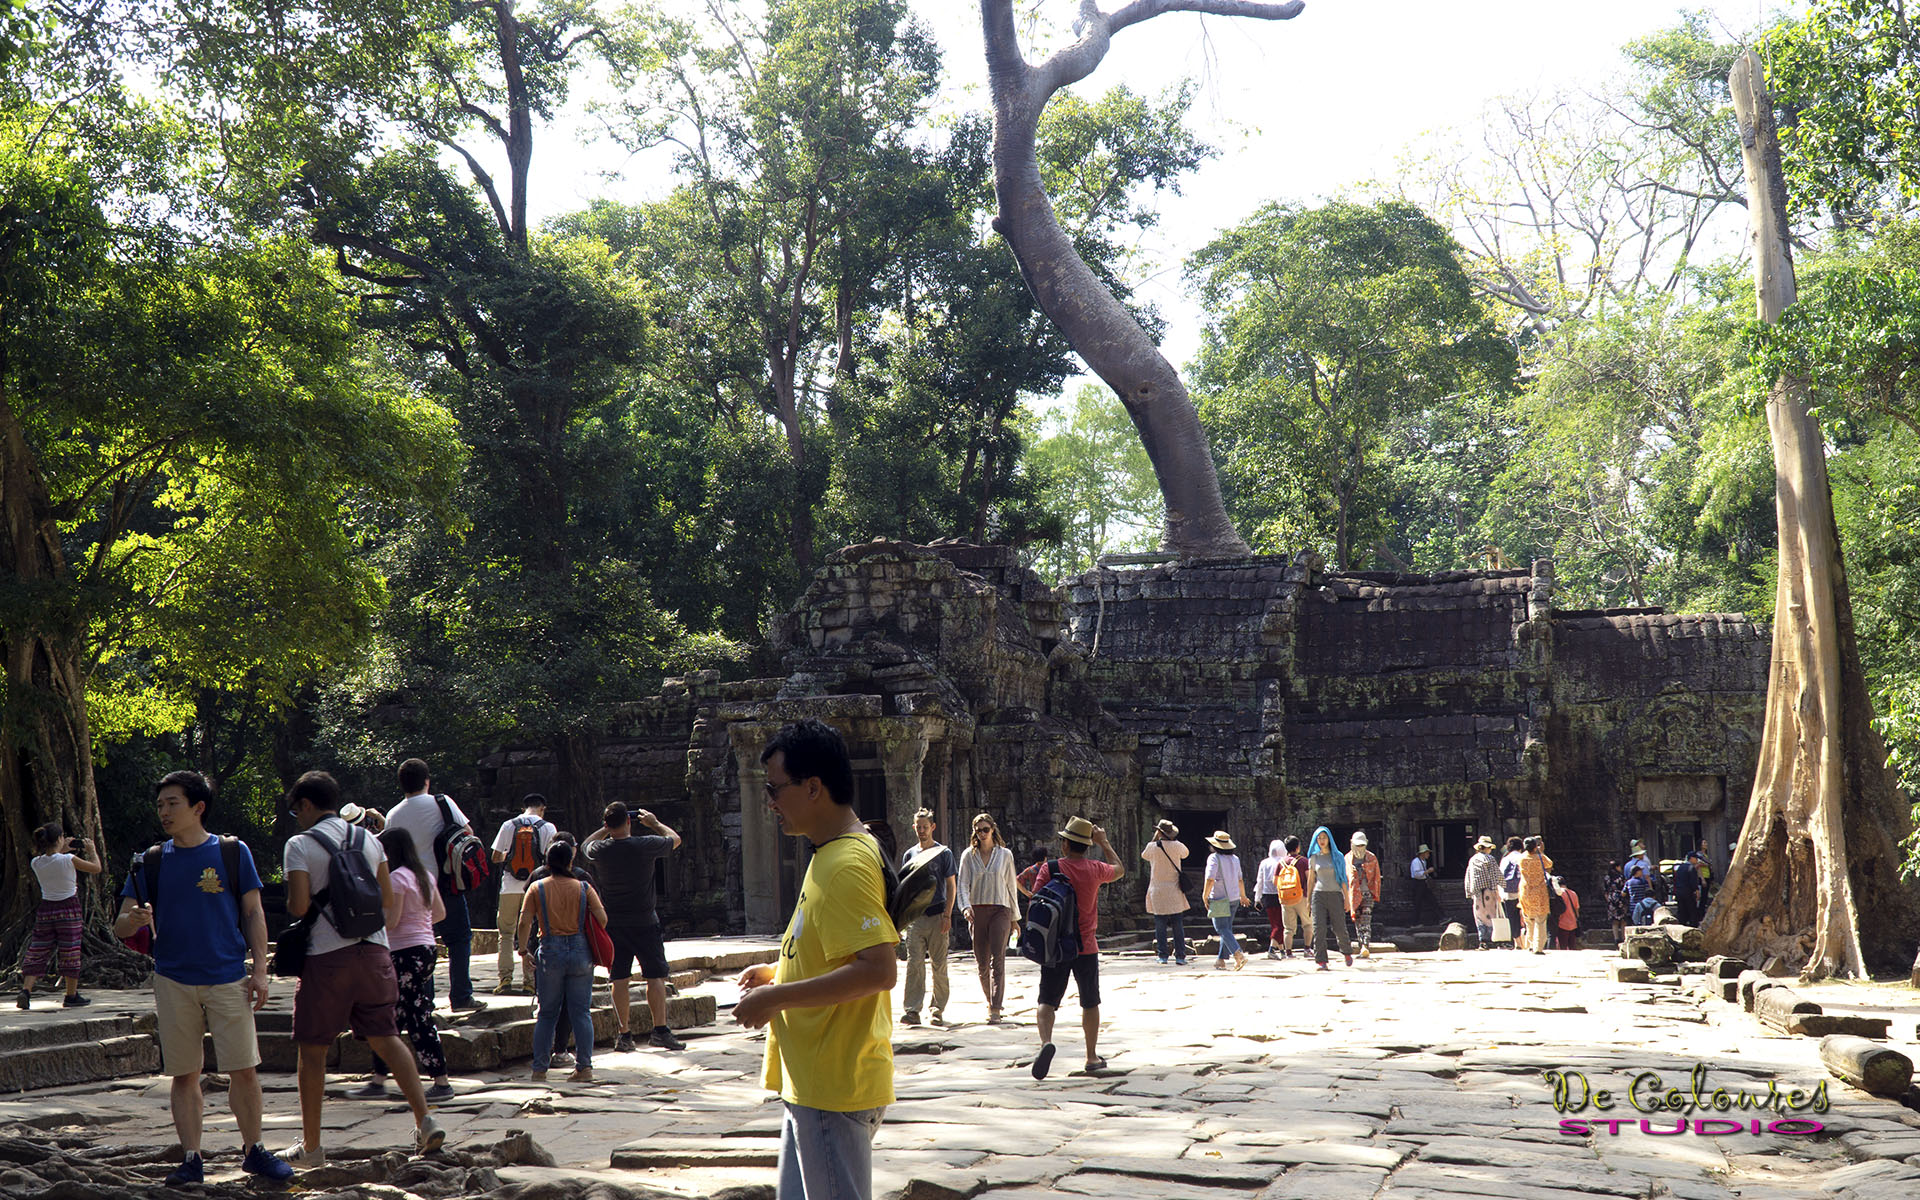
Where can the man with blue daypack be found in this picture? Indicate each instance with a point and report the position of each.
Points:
(1087, 875)
(348, 980)
(200, 895)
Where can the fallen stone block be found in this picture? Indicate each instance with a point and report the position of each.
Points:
(717, 1152)
(471, 1049)
(1866, 1065)
(1831, 1024)
(1454, 937)
(1629, 972)
(1778, 1005)
(1647, 944)
(1685, 939)
(1752, 983)
(1723, 966)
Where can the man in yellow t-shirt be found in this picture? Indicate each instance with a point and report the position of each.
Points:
(829, 1004)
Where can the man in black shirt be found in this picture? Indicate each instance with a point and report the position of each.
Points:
(626, 861)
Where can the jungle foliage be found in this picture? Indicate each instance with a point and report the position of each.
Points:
(324, 449)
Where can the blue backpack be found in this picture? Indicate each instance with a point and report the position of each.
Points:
(1051, 936)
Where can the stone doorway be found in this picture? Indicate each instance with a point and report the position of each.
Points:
(1452, 846)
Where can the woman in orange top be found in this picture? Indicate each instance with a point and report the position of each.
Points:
(561, 904)
(1536, 900)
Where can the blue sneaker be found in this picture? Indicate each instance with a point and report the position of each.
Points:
(190, 1171)
(266, 1164)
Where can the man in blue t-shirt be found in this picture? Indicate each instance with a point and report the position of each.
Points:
(206, 918)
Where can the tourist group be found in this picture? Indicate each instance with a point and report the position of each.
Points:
(372, 891)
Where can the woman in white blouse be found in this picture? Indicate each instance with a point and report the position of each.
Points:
(987, 896)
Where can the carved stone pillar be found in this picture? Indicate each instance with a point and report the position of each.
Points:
(760, 836)
(901, 756)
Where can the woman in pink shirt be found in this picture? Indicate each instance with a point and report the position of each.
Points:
(410, 920)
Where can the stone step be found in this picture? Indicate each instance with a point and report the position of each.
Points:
(56, 1064)
(506, 1036)
(63, 1030)
(694, 967)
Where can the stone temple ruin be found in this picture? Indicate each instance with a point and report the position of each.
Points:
(1258, 695)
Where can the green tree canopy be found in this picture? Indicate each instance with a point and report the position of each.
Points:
(1333, 327)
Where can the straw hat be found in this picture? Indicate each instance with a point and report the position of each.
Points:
(1359, 839)
(1079, 830)
(1424, 849)
(1485, 843)
(1221, 840)
(1167, 827)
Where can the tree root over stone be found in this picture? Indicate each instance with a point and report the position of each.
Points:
(40, 1167)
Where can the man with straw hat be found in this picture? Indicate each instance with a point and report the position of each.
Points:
(1087, 875)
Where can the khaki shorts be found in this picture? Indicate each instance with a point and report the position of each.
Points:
(187, 1014)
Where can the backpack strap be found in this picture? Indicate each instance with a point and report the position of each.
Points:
(317, 900)
(230, 859)
(150, 875)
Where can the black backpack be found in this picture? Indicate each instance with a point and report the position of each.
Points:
(352, 897)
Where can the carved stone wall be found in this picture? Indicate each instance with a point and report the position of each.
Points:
(1262, 694)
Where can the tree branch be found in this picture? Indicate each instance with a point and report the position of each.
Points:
(481, 177)
(1142, 10)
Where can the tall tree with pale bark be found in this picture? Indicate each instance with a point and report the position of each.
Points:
(1100, 328)
(1823, 827)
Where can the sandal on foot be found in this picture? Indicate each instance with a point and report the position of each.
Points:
(1042, 1061)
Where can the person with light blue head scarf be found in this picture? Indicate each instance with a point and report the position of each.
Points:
(1329, 870)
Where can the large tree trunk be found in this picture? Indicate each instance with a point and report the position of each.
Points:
(46, 751)
(1096, 324)
(582, 798)
(1825, 821)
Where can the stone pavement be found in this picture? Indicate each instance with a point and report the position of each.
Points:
(1412, 1076)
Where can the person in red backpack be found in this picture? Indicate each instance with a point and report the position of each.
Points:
(1087, 876)
(520, 848)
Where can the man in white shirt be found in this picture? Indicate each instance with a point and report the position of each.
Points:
(508, 850)
(348, 981)
(1426, 905)
(420, 816)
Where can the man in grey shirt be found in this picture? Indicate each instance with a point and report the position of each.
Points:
(625, 862)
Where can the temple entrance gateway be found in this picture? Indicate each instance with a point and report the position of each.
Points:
(1452, 846)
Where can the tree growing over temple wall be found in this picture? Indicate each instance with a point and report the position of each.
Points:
(1100, 329)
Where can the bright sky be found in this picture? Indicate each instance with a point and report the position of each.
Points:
(1300, 109)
